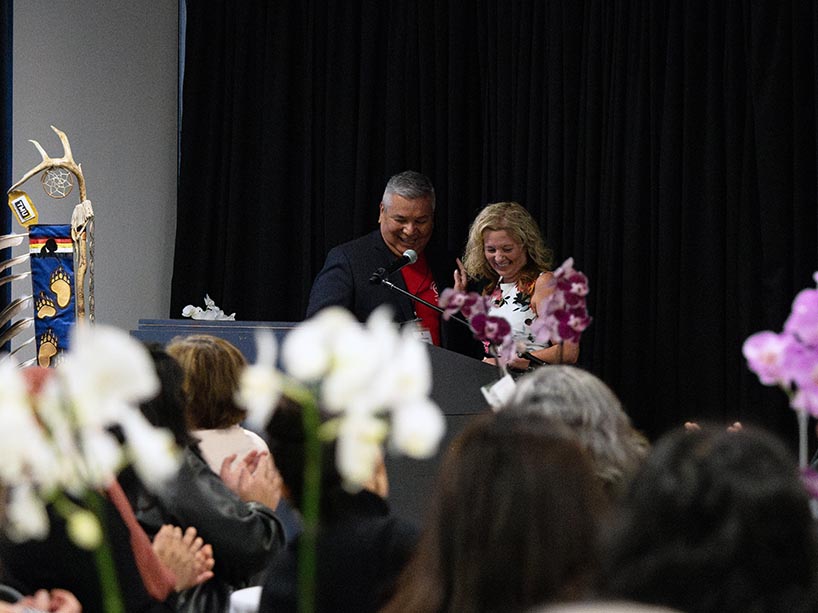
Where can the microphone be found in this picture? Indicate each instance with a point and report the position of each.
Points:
(531, 358)
(409, 256)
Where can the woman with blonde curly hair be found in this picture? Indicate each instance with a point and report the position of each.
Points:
(505, 252)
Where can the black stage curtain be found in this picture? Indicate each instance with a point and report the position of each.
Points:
(669, 147)
(5, 137)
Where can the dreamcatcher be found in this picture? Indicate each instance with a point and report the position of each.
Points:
(59, 256)
(57, 182)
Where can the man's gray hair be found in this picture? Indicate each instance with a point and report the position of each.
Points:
(592, 410)
(411, 185)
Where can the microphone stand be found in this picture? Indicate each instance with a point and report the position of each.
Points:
(502, 389)
(527, 355)
(414, 298)
(457, 317)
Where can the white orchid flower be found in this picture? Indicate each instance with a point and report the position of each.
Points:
(340, 389)
(386, 336)
(84, 530)
(259, 392)
(14, 448)
(42, 463)
(355, 347)
(384, 354)
(362, 372)
(358, 449)
(25, 454)
(305, 353)
(62, 465)
(312, 351)
(417, 428)
(14, 391)
(332, 318)
(18, 428)
(57, 440)
(409, 374)
(26, 515)
(105, 370)
(102, 457)
(260, 385)
(357, 361)
(309, 349)
(381, 325)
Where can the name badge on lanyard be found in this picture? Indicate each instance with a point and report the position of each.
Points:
(419, 331)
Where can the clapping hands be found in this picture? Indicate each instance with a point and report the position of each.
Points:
(254, 478)
(187, 555)
(56, 601)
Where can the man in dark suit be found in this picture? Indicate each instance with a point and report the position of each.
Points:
(406, 221)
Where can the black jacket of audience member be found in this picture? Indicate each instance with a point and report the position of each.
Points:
(245, 536)
(362, 549)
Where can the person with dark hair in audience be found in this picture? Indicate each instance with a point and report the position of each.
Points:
(232, 512)
(591, 409)
(514, 523)
(212, 368)
(361, 547)
(716, 522)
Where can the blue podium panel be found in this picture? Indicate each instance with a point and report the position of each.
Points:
(241, 333)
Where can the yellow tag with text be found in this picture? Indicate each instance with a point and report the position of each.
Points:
(22, 207)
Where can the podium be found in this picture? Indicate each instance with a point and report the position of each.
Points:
(456, 383)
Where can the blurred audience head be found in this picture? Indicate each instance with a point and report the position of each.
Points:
(285, 438)
(716, 521)
(167, 409)
(513, 524)
(590, 408)
(212, 368)
(284, 433)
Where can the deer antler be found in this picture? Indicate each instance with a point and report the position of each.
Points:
(66, 161)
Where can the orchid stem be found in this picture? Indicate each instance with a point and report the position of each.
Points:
(803, 420)
(501, 368)
(310, 506)
(103, 556)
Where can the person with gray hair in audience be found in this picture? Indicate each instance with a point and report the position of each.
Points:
(592, 410)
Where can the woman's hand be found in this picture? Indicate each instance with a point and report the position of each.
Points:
(516, 362)
(57, 601)
(187, 555)
(460, 277)
(692, 426)
(519, 363)
(255, 478)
